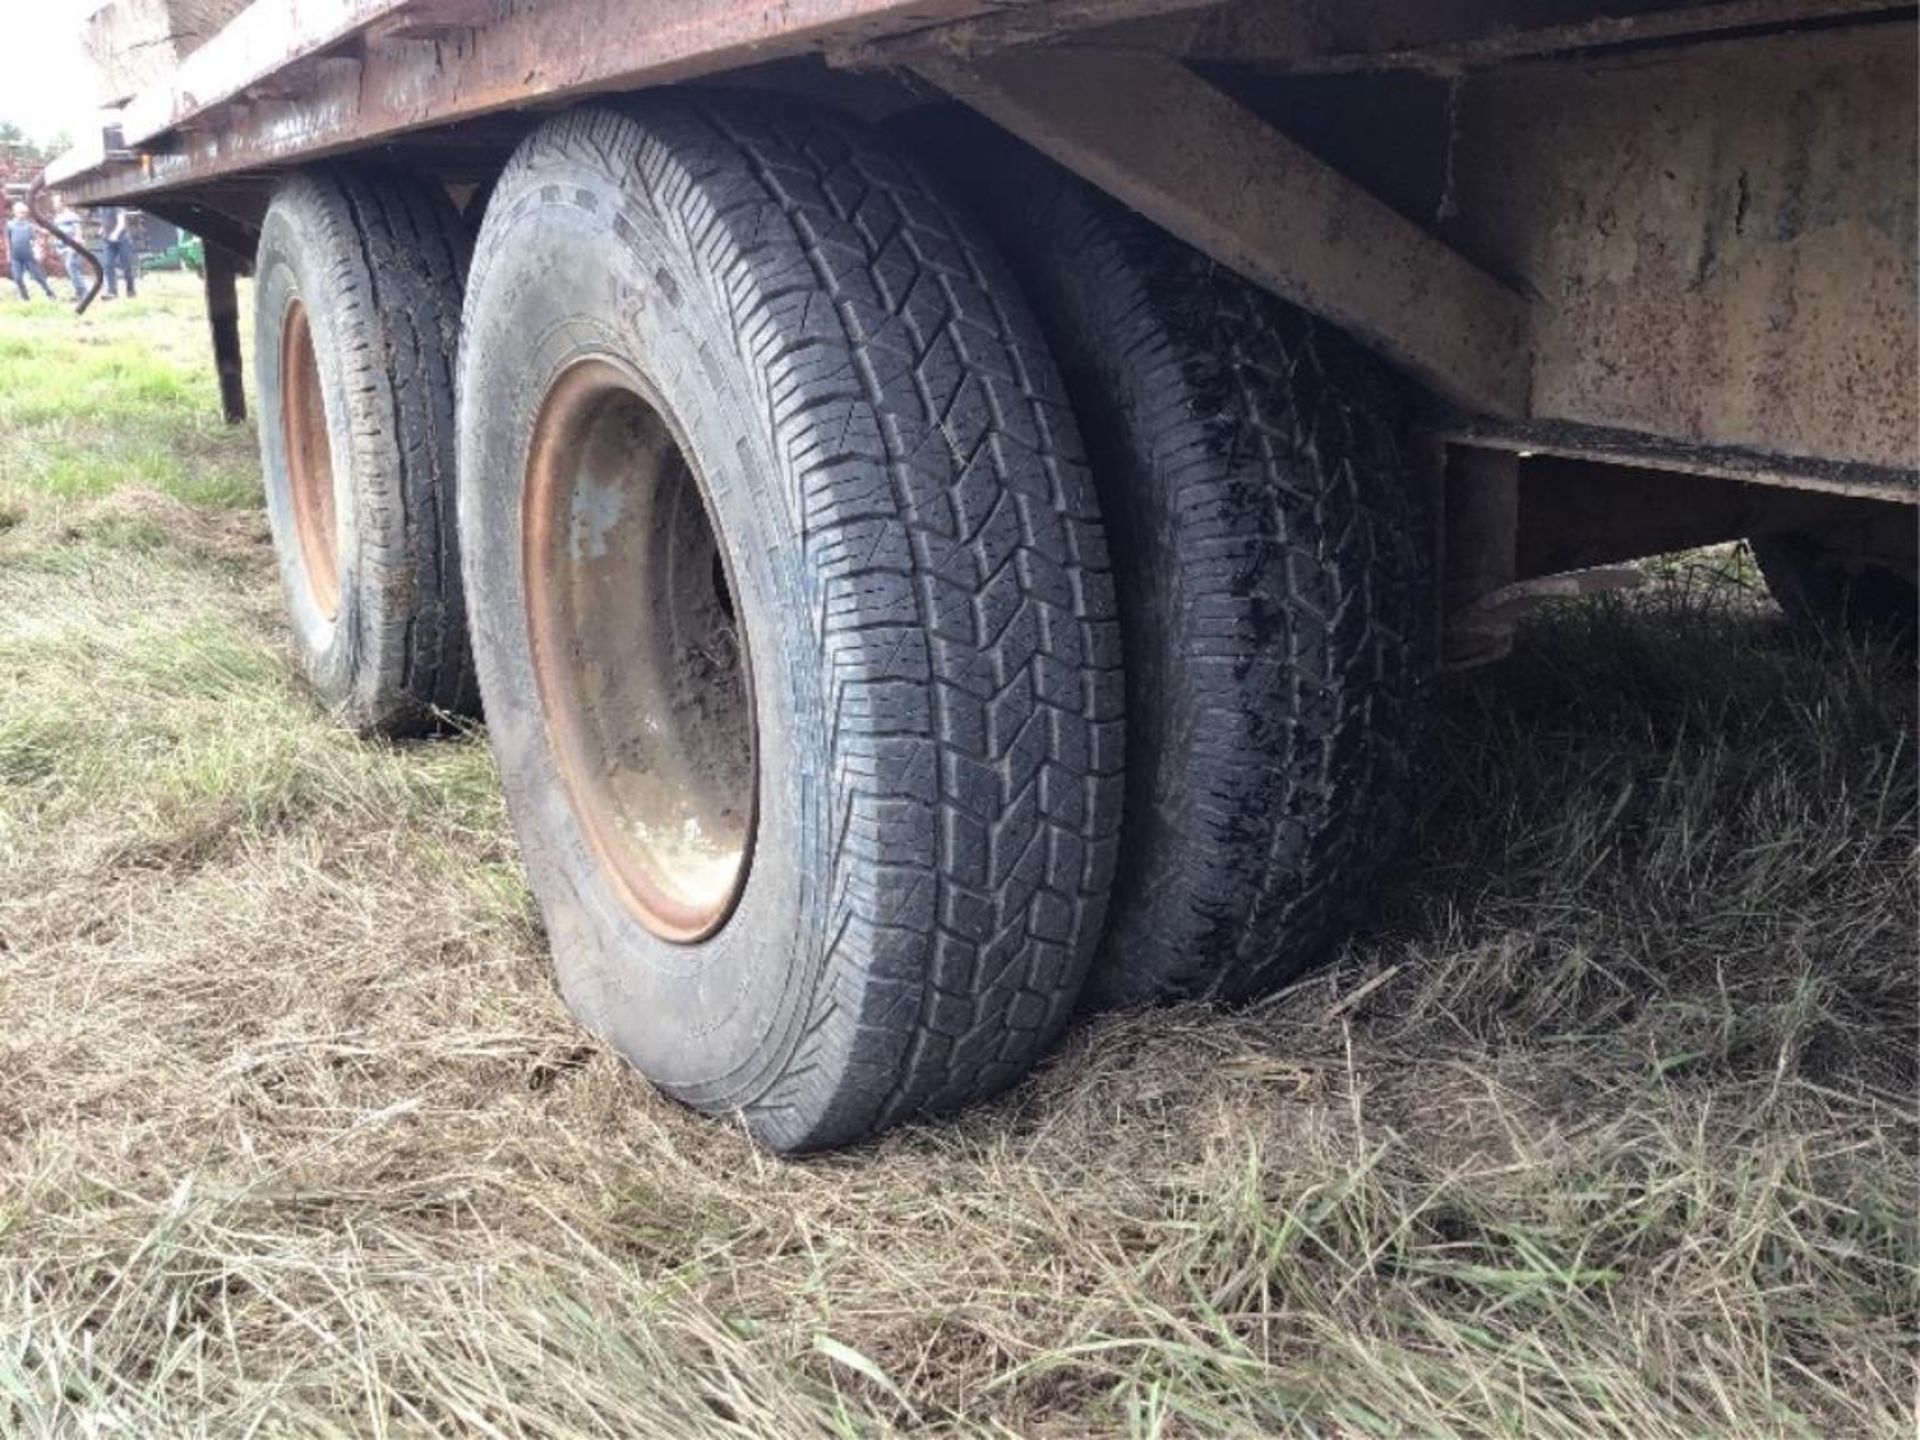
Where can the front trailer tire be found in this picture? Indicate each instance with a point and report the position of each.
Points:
(356, 336)
(791, 325)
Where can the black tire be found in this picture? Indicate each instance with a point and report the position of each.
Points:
(357, 306)
(917, 571)
(1824, 590)
(1264, 548)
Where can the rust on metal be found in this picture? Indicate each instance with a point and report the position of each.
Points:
(1449, 38)
(1148, 130)
(641, 665)
(1689, 243)
(1018, 25)
(356, 85)
(1723, 238)
(309, 461)
(1660, 455)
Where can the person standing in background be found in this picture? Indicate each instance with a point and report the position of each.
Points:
(118, 236)
(23, 261)
(67, 220)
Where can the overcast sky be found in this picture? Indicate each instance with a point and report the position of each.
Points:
(45, 86)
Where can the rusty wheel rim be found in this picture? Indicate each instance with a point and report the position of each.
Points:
(309, 461)
(643, 674)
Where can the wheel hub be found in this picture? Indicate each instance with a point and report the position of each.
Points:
(309, 461)
(642, 668)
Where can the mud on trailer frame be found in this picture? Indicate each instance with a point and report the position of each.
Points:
(954, 496)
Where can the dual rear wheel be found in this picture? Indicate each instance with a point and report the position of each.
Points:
(793, 615)
(357, 300)
(792, 605)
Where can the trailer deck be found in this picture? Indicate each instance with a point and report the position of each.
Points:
(1488, 298)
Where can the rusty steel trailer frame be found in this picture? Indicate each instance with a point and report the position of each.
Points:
(1646, 244)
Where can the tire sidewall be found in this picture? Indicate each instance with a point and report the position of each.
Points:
(289, 257)
(711, 1022)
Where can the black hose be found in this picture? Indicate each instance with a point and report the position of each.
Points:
(35, 192)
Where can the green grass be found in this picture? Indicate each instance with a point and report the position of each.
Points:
(115, 398)
(1605, 1126)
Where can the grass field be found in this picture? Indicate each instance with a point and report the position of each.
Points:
(1605, 1128)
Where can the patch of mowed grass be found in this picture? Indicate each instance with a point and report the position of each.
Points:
(204, 734)
(1604, 1127)
(116, 398)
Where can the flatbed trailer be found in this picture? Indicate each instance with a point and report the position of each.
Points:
(1381, 322)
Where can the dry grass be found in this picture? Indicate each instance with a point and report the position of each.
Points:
(1606, 1128)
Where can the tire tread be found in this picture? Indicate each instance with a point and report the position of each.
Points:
(959, 571)
(1263, 524)
(395, 253)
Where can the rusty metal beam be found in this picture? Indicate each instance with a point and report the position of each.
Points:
(372, 81)
(1147, 130)
(1422, 35)
(1019, 24)
(1723, 236)
(1657, 454)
